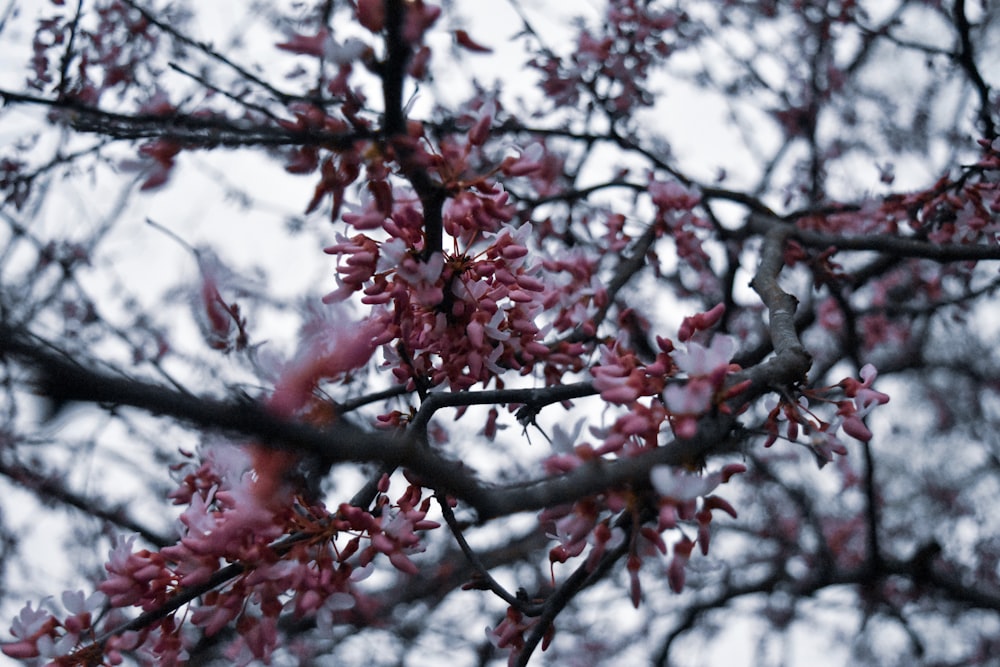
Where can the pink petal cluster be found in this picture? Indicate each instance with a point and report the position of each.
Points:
(328, 350)
(865, 400)
(622, 378)
(823, 434)
(574, 291)
(223, 326)
(509, 633)
(684, 497)
(462, 319)
(707, 369)
(618, 56)
(306, 562)
(45, 638)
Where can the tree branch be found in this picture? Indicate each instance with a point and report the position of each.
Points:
(393, 73)
(791, 361)
(899, 246)
(192, 131)
(967, 60)
(64, 381)
(244, 73)
(581, 578)
(48, 489)
(479, 568)
(533, 398)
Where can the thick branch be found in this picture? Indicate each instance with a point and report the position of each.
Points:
(715, 437)
(899, 246)
(64, 381)
(393, 73)
(791, 361)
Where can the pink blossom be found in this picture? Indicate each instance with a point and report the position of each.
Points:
(30, 626)
(675, 571)
(681, 485)
(865, 398)
(328, 350)
(854, 427)
(312, 45)
(366, 216)
(82, 609)
(700, 322)
(527, 162)
(480, 130)
(217, 317)
(672, 195)
(419, 17)
(689, 398)
(696, 359)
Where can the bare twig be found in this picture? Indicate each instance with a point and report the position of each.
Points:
(482, 572)
(967, 60)
(192, 131)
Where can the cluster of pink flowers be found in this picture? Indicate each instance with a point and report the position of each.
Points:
(303, 560)
(694, 379)
(222, 324)
(683, 498)
(458, 319)
(955, 211)
(462, 292)
(823, 438)
(44, 637)
(242, 505)
(622, 378)
(585, 522)
(461, 314)
(614, 61)
(655, 395)
(676, 218)
(329, 349)
(509, 633)
(574, 293)
(108, 59)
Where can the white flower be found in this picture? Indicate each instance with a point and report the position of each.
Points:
(29, 622)
(699, 360)
(76, 603)
(563, 441)
(691, 398)
(680, 485)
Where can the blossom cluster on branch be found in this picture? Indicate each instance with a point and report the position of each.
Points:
(484, 266)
